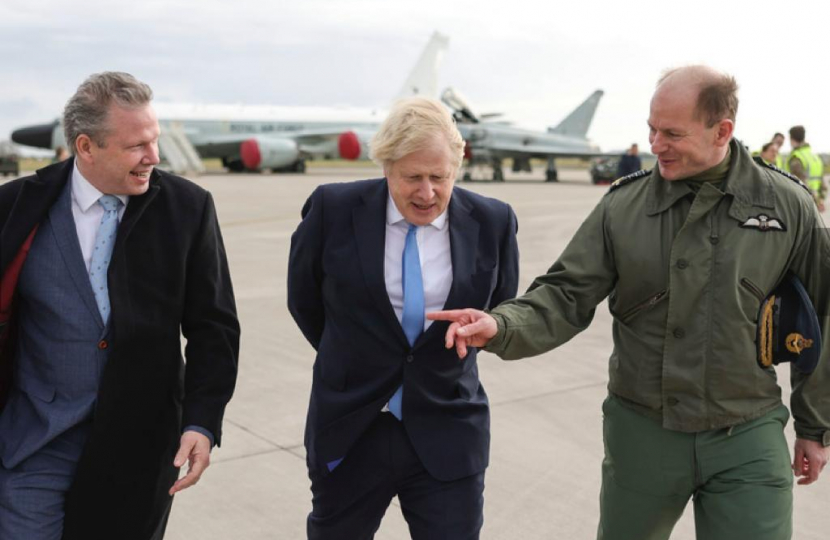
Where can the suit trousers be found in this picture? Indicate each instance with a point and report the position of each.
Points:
(740, 478)
(350, 501)
(32, 494)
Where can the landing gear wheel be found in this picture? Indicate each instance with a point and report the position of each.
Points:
(234, 165)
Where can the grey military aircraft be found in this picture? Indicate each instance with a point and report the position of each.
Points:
(253, 138)
(490, 141)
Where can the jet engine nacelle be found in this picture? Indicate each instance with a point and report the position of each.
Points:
(261, 153)
(354, 145)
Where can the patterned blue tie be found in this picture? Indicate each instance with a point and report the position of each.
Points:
(104, 241)
(413, 304)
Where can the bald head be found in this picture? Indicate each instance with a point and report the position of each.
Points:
(691, 121)
(715, 93)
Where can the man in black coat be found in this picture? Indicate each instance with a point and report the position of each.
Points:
(96, 398)
(392, 411)
(629, 162)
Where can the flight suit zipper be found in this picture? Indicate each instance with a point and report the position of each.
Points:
(648, 304)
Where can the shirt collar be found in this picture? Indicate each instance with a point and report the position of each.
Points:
(394, 216)
(744, 182)
(85, 194)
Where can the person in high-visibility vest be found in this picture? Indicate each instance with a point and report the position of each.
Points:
(807, 166)
(778, 141)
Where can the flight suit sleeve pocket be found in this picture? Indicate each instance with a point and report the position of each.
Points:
(36, 389)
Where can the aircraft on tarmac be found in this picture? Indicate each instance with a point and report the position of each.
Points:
(254, 138)
(489, 142)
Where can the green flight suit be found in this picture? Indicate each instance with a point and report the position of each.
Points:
(685, 274)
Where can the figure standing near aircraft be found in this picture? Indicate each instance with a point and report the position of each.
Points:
(105, 262)
(392, 412)
(686, 254)
(629, 162)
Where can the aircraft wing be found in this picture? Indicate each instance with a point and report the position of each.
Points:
(541, 151)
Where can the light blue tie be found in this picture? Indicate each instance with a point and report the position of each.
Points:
(413, 304)
(104, 241)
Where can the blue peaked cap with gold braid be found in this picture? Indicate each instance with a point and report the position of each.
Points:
(788, 328)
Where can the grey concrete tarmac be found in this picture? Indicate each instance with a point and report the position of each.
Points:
(544, 476)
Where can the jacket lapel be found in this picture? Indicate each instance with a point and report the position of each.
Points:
(36, 196)
(62, 226)
(370, 236)
(135, 209)
(464, 230)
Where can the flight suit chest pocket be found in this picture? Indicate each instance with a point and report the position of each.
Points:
(750, 286)
(646, 304)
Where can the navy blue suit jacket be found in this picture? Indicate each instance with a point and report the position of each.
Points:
(337, 295)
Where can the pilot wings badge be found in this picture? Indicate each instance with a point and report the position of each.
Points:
(764, 223)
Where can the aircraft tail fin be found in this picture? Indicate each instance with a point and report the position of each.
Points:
(579, 121)
(423, 79)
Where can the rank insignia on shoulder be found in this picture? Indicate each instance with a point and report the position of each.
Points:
(791, 176)
(764, 223)
(627, 179)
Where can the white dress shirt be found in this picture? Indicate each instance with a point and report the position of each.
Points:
(434, 253)
(87, 213)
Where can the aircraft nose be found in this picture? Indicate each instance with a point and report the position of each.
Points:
(39, 136)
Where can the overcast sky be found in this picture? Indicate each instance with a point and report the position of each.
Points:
(530, 59)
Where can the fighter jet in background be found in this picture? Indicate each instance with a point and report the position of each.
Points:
(254, 138)
(489, 142)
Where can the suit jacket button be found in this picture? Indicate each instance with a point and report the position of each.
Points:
(103, 344)
(679, 333)
(410, 358)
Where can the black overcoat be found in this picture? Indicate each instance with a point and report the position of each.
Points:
(168, 277)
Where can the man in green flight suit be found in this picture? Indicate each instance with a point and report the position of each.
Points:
(685, 254)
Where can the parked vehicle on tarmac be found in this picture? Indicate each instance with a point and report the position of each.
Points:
(9, 160)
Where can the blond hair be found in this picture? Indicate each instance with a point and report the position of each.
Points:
(414, 124)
